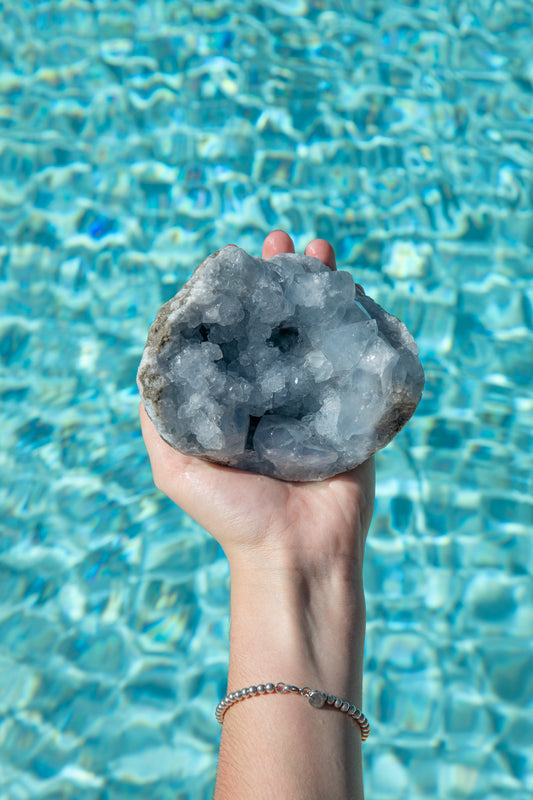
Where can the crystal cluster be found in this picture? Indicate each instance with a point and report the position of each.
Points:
(279, 366)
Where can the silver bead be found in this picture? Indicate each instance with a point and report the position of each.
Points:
(270, 688)
(345, 707)
(261, 688)
(251, 690)
(330, 699)
(338, 703)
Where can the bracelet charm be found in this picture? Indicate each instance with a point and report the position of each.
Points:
(317, 699)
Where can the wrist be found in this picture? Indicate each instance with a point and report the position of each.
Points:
(300, 622)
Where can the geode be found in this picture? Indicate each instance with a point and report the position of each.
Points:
(278, 366)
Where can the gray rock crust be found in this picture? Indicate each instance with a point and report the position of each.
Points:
(278, 366)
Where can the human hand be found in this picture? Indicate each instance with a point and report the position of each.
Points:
(260, 519)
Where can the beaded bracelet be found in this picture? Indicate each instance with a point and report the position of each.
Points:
(316, 698)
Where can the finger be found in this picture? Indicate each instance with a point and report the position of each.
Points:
(277, 242)
(174, 473)
(161, 454)
(154, 443)
(147, 426)
(322, 250)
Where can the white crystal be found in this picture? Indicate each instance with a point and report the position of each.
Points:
(279, 366)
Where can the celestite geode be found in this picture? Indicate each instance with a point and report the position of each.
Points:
(278, 366)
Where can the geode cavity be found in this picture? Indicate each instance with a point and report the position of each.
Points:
(278, 366)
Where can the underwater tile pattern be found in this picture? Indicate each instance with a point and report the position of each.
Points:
(137, 137)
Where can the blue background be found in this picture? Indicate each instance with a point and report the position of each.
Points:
(135, 139)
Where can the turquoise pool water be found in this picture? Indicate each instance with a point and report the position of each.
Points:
(136, 138)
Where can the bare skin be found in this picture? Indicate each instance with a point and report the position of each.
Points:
(297, 609)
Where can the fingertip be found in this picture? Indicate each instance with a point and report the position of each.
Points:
(323, 250)
(277, 242)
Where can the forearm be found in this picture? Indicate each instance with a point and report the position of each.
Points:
(301, 624)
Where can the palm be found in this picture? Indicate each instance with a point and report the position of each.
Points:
(244, 510)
